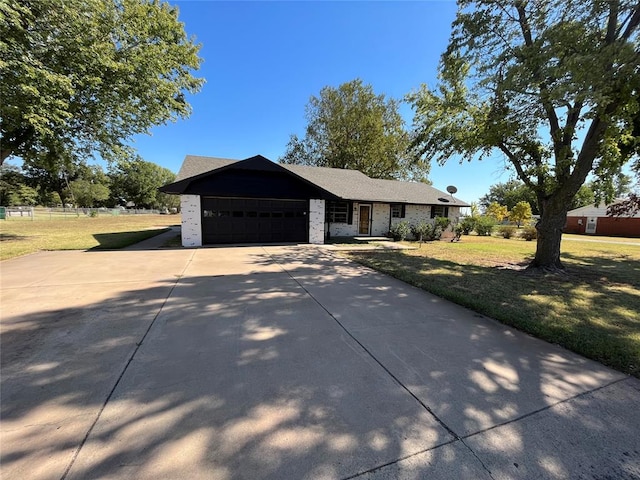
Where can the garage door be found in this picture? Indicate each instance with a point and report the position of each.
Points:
(251, 220)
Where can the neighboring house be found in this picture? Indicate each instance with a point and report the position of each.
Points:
(259, 201)
(595, 221)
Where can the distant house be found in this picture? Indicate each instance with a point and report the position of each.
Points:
(259, 201)
(593, 220)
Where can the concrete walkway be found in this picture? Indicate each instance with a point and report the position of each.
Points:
(285, 363)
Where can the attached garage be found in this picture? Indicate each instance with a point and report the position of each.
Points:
(249, 201)
(251, 220)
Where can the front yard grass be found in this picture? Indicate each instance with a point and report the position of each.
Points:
(20, 236)
(593, 310)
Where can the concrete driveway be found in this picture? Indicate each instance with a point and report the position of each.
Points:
(285, 363)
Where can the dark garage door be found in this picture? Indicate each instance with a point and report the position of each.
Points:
(251, 220)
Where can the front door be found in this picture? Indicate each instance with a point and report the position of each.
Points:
(365, 220)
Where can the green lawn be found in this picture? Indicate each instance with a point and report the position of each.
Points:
(594, 309)
(20, 236)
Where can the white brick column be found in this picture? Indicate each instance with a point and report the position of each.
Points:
(191, 213)
(316, 221)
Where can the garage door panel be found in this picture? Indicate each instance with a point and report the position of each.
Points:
(248, 220)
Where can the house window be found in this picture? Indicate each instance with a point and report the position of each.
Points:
(397, 210)
(337, 212)
(439, 211)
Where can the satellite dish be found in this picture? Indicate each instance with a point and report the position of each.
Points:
(451, 189)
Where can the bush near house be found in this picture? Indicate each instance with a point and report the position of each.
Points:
(400, 231)
(426, 232)
(468, 225)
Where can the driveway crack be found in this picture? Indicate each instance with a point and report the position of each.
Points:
(124, 370)
(369, 353)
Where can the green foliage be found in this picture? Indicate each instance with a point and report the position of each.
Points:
(467, 225)
(352, 127)
(400, 231)
(138, 181)
(84, 76)
(426, 232)
(458, 230)
(509, 194)
(89, 194)
(529, 233)
(484, 225)
(507, 231)
(523, 78)
(442, 222)
(520, 213)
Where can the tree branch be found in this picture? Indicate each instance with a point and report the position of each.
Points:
(516, 164)
(633, 23)
(554, 124)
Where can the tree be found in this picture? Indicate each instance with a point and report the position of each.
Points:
(509, 194)
(82, 77)
(553, 86)
(352, 127)
(138, 181)
(520, 213)
(496, 211)
(89, 194)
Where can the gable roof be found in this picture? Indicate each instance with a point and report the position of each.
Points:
(341, 183)
(597, 211)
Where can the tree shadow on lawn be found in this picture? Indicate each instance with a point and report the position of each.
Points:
(592, 310)
(114, 241)
(4, 237)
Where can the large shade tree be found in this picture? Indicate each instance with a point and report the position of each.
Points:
(353, 127)
(552, 85)
(136, 182)
(81, 77)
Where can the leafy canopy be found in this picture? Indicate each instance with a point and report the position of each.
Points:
(552, 85)
(520, 213)
(353, 127)
(82, 76)
(523, 77)
(137, 181)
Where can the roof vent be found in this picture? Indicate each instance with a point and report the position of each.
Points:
(442, 199)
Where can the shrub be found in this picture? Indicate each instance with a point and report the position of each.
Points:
(507, 231)
(420, 231)
(468, 224)
(425, 232)
(529, 233)
(484, 225)
(400, 231)
(442, 222)
(458, 230)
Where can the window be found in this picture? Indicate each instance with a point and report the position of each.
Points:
(338, 212)
(439, 211)
(397, 210)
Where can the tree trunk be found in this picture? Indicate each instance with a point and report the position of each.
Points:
(549, 229)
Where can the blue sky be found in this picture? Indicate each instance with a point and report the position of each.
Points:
(263, 60)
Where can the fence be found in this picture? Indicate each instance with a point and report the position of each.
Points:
(43, 213)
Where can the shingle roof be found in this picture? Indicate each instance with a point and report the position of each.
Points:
(343, 183)
(195, 165)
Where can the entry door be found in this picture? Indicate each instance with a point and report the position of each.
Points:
(365, 220)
